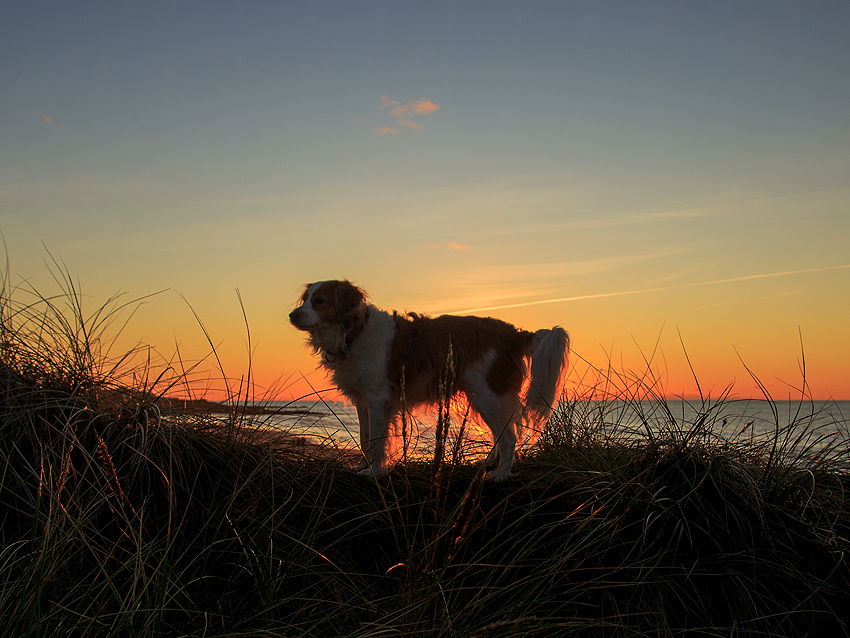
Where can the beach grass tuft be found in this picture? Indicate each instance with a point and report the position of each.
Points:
(122, 514)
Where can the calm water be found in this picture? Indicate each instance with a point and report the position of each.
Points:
(807, 425)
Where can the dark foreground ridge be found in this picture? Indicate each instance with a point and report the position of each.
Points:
(119, 520)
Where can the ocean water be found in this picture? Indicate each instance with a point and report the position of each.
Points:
(337, 421)
(807, 427)
(805, 430)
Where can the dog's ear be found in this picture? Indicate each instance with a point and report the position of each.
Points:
(351, 305)
(302, 296)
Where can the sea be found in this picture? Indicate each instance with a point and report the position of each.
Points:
(805, 428)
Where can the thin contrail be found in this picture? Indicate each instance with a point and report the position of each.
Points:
(658, 289)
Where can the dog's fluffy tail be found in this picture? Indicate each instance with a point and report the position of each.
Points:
(549, 352)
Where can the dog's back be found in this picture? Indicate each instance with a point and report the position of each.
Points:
(427, 352)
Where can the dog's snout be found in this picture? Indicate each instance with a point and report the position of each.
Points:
(294, 315)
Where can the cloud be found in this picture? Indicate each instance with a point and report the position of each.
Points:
(423, 107)
(387, 102)
(404, 112)
(44, 117)
(654, 289)
(356, 121)
(384, 130)
(450, 245)
(412, 125)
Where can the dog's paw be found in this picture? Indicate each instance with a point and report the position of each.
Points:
(364, 464)
(498, 475)
(373, 472)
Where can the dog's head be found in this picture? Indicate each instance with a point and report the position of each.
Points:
(333, 312)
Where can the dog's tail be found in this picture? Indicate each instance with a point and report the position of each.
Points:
(550, 351)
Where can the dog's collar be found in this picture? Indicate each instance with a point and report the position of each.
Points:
(330, 357)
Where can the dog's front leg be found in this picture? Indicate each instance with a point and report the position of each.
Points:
(375, 449)
(365, 447)
(492, 458)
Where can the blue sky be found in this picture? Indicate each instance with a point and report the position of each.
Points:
(560, 150)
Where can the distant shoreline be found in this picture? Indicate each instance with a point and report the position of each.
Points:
(203, 406)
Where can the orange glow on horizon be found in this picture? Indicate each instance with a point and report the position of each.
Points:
(634, 375)
(705, 350)
(678, 340)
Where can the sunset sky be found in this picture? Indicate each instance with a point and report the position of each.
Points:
(640, 173)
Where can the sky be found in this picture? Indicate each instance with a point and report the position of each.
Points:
(668, 181)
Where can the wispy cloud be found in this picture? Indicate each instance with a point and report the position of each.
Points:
(403, 113)
(450, 245)
(656, 289)
(42, 116)
(384, 130)
(387, 102)
(494, 285)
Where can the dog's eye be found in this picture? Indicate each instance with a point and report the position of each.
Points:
(318, 301)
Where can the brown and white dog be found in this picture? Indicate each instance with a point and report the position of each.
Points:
(384, 362)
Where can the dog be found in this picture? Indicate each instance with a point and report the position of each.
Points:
(384, 362)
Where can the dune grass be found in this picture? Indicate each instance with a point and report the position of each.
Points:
(122, 516)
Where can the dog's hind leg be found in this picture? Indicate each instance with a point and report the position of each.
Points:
(501, 414)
